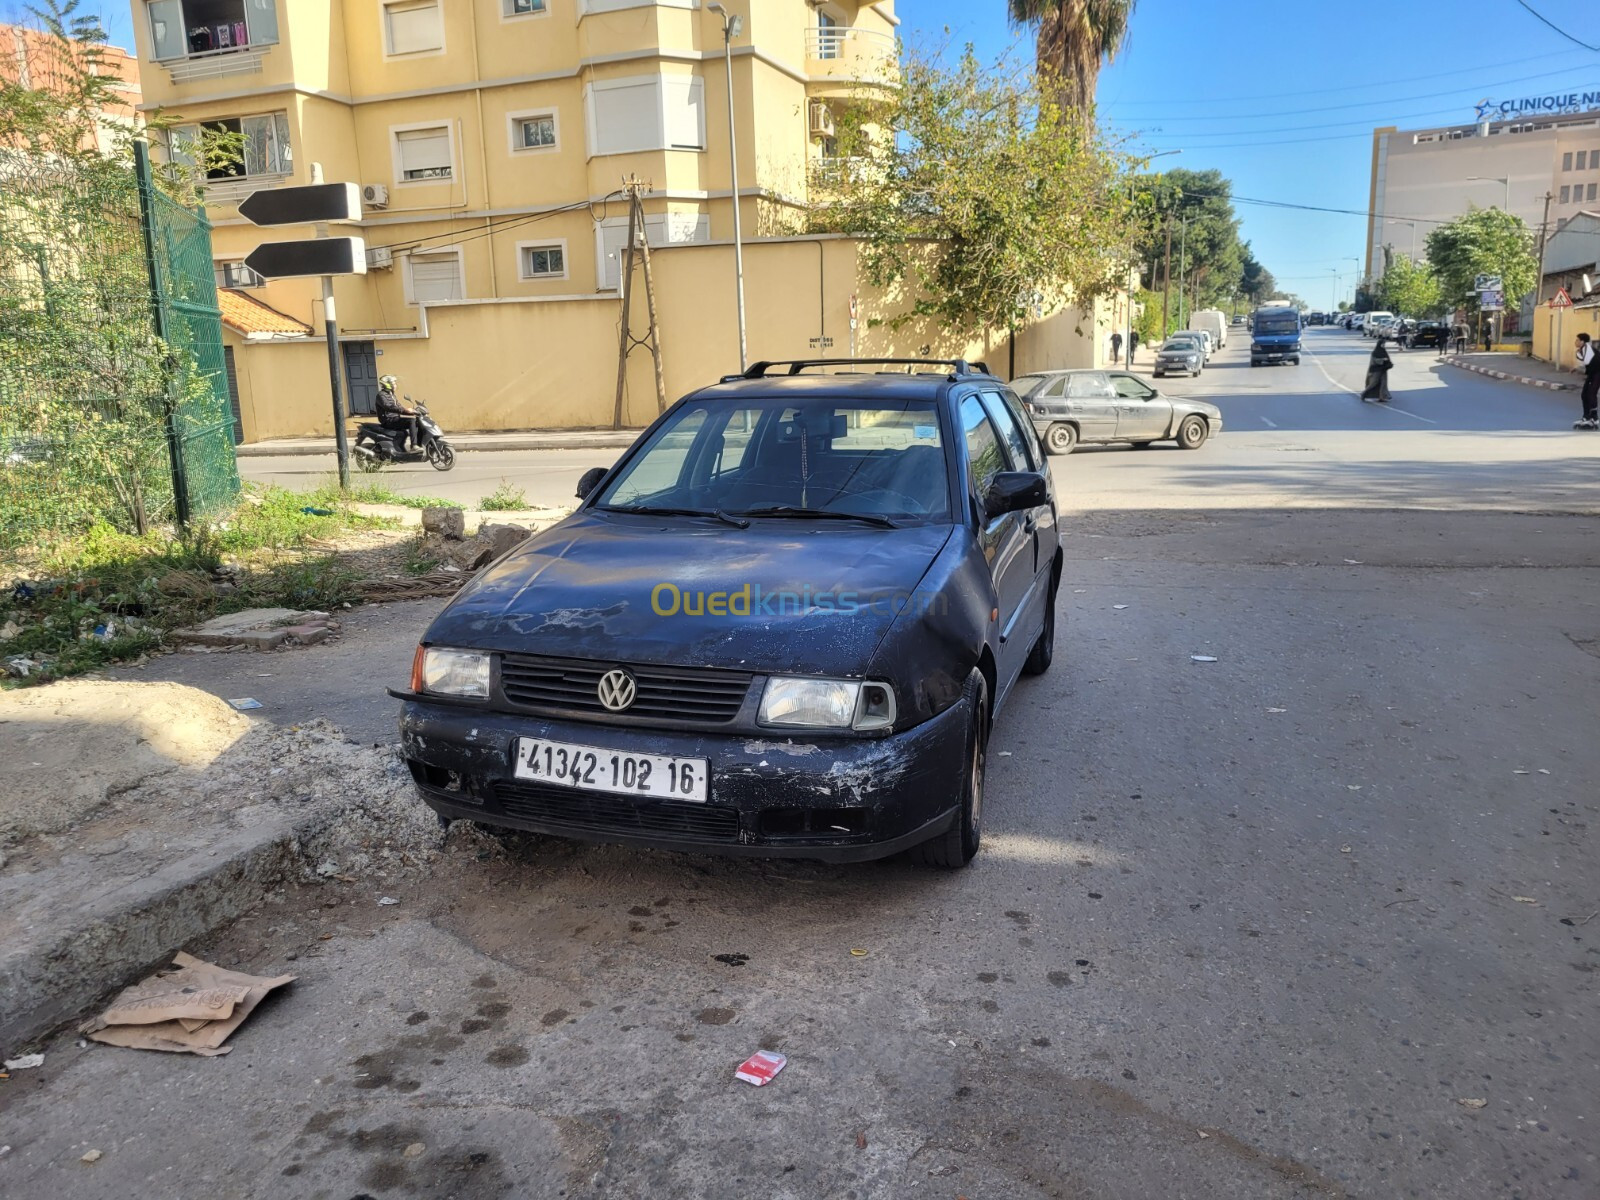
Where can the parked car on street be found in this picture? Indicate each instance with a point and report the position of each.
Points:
(1211, 321)
(1432, 334)
(1180, 353)
(1237, 321)
(1069, 407)
(782, 623)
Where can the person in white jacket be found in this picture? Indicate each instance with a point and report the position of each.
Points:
(1590, 364)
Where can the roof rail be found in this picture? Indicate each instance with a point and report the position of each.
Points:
(958, 366)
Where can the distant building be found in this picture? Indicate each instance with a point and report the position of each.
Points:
(1424, 176)
(33, 59)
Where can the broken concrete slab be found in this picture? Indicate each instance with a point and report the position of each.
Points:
(310, 634)
(446, 522)
(500, 538)
(257, 628)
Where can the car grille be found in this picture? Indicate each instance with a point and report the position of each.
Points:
(666, 693)
(570, 809)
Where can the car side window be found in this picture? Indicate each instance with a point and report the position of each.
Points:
(1089, 385)
(985, 458)
(1130, 388)
(1054, 390)
(1021, 452)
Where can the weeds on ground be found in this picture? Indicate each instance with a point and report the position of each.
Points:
(504, 498)
(376, 493)
(108, 596)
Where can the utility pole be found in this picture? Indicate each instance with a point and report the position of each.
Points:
(1538, 284)
(1183, 272)
(732, 26)
(638, 240)
(1166, 280)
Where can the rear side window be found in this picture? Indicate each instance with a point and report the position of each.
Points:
(985, 459)
(1017, 443)
(1090, 386)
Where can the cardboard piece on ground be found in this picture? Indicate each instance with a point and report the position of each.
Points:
(167, 1011)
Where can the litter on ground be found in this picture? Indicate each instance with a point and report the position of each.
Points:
(191, 1007)
(760, 1068)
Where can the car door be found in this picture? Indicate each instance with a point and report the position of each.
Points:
(1025, 454)
(1094, 404)
(1006, 541)
(1143, 413)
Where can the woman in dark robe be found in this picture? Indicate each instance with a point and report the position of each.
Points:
(1378, 373)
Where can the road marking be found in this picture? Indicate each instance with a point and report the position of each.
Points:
(1354, 392)
(1269, 424)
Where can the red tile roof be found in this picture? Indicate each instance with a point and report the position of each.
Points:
(245, 314)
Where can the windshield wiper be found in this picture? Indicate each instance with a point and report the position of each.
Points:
(826, 514)
(649, 511)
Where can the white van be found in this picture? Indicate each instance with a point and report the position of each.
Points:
(1374, 323)
(1213, 322)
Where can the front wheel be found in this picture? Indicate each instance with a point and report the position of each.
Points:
(956, 846)
(441, 456)
(1061, 438)
(1192, 433)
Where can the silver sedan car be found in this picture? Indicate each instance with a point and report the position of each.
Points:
(1069, 407)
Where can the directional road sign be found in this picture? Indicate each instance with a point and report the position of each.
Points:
(303, 205)
(312, 256)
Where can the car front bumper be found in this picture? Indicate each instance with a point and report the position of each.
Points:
(1270, 354)
(776, 794)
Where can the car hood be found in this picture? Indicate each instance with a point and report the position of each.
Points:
(590, 588)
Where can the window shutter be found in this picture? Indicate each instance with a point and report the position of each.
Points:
(435, 277)
(684, 98)
(625, 118)
(414, 26)
(424, 153)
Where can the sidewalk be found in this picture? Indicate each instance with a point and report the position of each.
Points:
(1518, 368)
(508, 439)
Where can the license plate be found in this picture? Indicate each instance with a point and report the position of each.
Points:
(597, 769)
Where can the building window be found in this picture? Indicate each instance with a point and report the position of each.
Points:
(1583, 160)
(542, 261)
(179, 28)
(660, 229)
(828, 35)
(523, 8)
(535, 132)
(422, 154)
(1566, 161)
(1589, 194)
(646, 112)
(265, 151)
(1566, 193)
(413, 27)
(434, 275)
(234, 274)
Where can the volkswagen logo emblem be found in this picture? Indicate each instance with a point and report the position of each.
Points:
(617, 689)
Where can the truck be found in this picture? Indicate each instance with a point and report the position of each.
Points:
(1275, 335)
(1213, 322)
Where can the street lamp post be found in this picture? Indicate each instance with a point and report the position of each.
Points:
(732, 26)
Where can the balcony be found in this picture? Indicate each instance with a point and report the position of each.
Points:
(831, 171)
(844, 56)
(231, 191)
(215, 64)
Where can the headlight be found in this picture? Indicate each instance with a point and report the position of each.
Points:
(827, 704)
(444, 672)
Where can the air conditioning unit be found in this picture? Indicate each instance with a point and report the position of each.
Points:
(380, 258)
(374, 195)
(821, 120)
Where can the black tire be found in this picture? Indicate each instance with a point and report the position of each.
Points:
(441, 456)
(1060, 438)
(1192, 433)
(1157, 375)
(1142, 445)
(1043, 652)
(956, 846)
(366, 459)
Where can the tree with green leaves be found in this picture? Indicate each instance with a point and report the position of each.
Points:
(987, 203)
(1207, 255)
(1072, 38)
(1410, 289)
(1484, 241)
(1255, 281)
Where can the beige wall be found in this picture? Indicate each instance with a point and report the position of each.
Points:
(1555, 330)
(532, 363)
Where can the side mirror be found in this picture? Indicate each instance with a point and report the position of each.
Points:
(590, 480)
(1013, 491)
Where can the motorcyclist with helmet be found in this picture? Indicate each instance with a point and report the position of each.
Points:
(394, 415)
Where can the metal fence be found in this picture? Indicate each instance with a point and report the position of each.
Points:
(113, 393)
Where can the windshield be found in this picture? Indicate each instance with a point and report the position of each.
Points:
(872, 458)
(1180, 344)
(1277, 323)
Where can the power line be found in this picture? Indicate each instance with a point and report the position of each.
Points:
(1556, 27)
(495, 226)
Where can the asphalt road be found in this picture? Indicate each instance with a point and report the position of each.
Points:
(1310, 920)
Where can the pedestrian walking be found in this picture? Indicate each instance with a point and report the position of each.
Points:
(1458, 333)
(1116, 348)
(1378, 367)
(1133, 345)
(1589, 360)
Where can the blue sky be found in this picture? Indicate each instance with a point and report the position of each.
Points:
(1281, 97)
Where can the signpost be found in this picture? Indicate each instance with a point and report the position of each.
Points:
(318, 204)
(1561, 301)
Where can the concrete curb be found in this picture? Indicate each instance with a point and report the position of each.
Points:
(597, 440)
(59, 974)
(1548, 384)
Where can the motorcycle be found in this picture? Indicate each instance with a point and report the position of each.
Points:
(376, 446)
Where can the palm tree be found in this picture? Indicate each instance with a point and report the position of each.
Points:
(1073, 37)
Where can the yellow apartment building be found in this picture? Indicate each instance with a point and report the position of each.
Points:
(490, 139)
